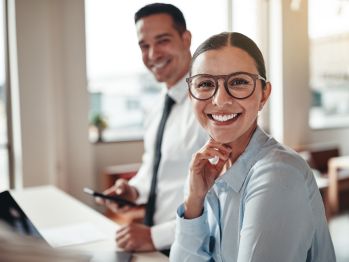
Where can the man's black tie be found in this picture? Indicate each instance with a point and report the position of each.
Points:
(150, 209)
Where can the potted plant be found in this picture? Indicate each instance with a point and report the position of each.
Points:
(100, 123)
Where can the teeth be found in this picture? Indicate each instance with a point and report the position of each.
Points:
(223, 118)
(159, 65)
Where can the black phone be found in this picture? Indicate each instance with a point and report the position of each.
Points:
(121, 201)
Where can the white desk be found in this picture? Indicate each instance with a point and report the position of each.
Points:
(49, 207)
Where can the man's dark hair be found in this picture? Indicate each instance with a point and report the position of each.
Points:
(161, 8)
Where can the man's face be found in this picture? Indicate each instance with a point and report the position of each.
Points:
(164, 51)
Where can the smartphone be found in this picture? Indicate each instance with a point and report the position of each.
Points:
(121, 201)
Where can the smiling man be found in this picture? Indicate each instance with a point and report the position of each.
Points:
(172, 132)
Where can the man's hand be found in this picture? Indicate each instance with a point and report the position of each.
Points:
(122, 189)
(135, 237)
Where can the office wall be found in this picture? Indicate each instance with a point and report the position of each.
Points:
(37, 87)
(296, 92)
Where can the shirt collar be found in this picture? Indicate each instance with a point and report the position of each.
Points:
(237, 173)
(179, 91)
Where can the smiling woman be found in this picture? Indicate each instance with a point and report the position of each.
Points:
(259, 201)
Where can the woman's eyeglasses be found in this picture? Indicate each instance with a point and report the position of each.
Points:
(239, 85)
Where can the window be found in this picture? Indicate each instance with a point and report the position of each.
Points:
(121, 89)
(329, 63)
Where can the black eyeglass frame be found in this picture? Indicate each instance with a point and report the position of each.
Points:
(255, 77)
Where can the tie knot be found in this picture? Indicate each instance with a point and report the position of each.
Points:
(169, 102)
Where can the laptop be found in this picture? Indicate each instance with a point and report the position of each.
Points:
(13, 215)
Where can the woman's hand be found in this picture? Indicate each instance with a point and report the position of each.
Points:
(203, 175)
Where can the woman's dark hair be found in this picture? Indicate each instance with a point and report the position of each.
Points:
(161, 8)
(234, 39)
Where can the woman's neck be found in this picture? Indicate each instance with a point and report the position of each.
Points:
(239, 146)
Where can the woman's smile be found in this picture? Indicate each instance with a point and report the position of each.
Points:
(223, 119)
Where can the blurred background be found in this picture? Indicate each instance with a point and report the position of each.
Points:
(74, 91)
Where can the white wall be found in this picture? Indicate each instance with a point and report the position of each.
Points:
(289, 52)
(36, 86)
(295, 73)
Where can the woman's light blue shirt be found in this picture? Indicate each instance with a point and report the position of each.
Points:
(265, 208)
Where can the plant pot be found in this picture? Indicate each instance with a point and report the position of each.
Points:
(100, 134)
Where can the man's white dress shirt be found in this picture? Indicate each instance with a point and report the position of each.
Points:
(183, 136)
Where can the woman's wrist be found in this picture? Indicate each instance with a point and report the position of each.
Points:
(193, 207)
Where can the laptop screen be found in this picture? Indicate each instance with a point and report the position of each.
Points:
(13, 215)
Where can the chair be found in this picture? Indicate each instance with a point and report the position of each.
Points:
(332, 179)
(338, 175)
(317, 157)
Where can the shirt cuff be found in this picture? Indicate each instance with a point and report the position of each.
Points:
(163, 234)
(196, 227)
(142, 192)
